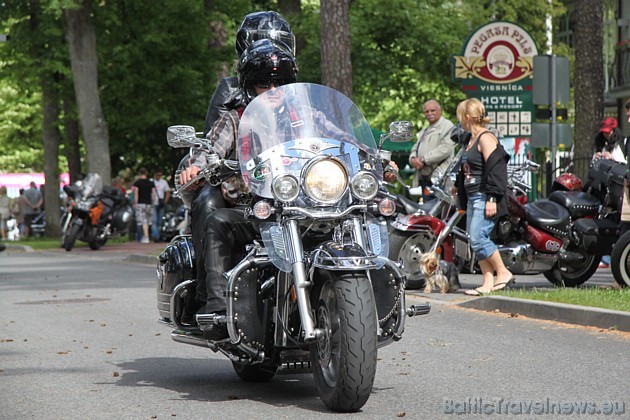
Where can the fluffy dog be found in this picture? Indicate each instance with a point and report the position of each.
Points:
(438, 274)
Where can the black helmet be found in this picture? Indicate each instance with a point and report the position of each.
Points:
(265, 60)
(261, 25)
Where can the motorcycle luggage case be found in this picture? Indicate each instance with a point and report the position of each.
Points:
(596, 236)
(175, 265)
(598, 174)
(615, 186)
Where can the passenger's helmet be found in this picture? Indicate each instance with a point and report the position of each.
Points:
(567, 182)
(264, 25)
(265, 60)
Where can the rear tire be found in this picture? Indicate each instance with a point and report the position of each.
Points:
(407, 247)
(620, 260)
(344, 360)
(563, 274)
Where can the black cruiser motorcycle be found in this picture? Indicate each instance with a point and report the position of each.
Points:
(317, 290)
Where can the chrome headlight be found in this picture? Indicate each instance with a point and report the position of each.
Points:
(364, 186)
(325, 181)
(285, 188)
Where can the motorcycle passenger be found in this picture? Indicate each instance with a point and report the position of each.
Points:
(263, 66)
(482, 188)
(255, 26)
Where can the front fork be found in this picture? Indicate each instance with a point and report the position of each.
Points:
(300, 279)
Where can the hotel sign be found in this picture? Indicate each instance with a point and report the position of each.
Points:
(497, 67)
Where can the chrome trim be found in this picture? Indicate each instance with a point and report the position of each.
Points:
(330, 215)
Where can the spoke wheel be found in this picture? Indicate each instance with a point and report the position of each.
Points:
(407, 247)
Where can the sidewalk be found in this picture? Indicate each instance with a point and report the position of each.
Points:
(573, 314)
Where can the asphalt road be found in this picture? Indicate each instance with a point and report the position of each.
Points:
(79, 339)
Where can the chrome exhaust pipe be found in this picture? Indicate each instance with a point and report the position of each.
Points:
(415, 310)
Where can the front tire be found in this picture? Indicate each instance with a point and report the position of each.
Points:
(572, 275)
(407, 247)
(344, 360)
(620, 260)
(71, 237)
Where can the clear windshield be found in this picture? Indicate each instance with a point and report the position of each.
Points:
(284, 127)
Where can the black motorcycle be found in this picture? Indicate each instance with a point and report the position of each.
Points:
(94, 213)
(316, 291)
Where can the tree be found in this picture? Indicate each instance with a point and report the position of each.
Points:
(84, 63)
(588, 79)
(335, 43)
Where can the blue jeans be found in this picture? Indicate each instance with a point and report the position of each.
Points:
(156, 222)
(479, 226)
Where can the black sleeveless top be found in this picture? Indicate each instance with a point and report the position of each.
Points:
(473, 167)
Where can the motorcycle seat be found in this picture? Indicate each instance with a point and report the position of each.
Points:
(549, 216)
(410, 206)
(578, 203)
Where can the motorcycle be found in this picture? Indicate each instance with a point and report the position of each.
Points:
(316, 292)
(533, 238)
(94, 213)
(174, 223)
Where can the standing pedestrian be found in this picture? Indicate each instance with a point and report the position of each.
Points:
(163, 195)
(482, 189)
(434, 149)
(144, 197)
(34, 200)
(18, 208)
(5, 211)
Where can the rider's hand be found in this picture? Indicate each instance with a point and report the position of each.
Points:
(388, 175)
(188, 174)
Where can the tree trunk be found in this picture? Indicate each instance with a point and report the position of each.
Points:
(336, 61)
(84, 62)
(71, 140)
(589, 79)
(51, 139)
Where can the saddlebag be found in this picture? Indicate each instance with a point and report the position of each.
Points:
(598, 174)
(175, 265)
(596, 236)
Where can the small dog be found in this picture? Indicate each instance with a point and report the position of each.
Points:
(438, 274)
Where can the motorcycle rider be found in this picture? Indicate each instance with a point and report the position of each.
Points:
(255, 26)
(264, 65)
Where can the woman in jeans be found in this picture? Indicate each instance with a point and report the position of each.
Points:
(482, 188)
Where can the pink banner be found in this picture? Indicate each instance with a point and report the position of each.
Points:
(14, 182)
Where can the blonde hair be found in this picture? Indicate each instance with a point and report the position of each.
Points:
(474, 109)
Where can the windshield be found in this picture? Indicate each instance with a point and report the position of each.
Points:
(284, 127)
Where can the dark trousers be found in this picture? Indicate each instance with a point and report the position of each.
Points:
(227, 234)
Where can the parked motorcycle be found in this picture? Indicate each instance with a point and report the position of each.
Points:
(174, 223)
(95, 213)
(317, 290)
(533, 238)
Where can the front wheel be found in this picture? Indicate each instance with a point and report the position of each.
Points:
(620, 260)
(407, 247)
(71, 237)
(344, 360)
(577, 267)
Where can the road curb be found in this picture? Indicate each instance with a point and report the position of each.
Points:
(561, 312)
(18, 247)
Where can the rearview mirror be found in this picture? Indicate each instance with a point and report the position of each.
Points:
(401, 131)
(181, 136)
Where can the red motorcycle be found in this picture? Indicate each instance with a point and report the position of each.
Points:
(533, 238)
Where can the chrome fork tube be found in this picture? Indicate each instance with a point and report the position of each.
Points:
(358, 232)
(300, 280)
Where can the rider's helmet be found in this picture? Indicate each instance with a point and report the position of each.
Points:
(265, 60)
(264, 25)
(567, 182)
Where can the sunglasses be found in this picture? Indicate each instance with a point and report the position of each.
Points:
(266, 84)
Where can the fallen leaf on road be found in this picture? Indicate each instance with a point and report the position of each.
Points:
(116, 375)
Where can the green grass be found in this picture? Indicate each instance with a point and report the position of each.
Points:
(51, 243)
(614, 299)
